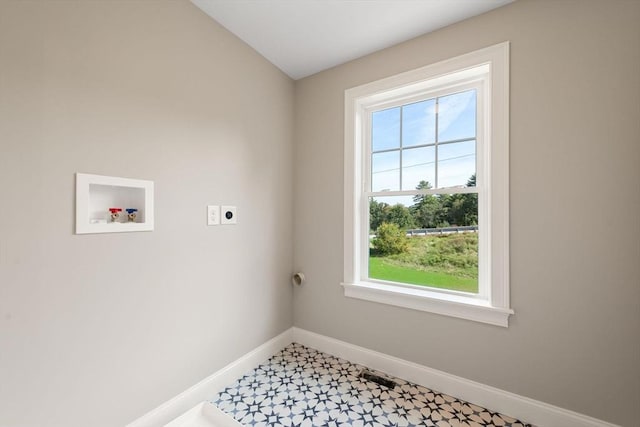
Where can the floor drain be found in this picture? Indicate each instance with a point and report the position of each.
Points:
(370, 376)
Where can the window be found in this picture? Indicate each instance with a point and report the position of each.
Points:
(426, 188)
(426, 150)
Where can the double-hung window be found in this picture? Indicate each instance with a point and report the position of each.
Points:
(426, 188)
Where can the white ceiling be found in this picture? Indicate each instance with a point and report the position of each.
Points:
(303, 37)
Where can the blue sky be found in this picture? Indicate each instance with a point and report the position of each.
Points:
(456, 119)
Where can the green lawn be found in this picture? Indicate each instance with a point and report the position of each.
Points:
(379, 268)
(448, 262)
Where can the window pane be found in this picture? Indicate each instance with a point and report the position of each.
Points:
(402, 251)
(385, 129)
(457, 116)
(418, 164)
(456, 164)
(385, 171)
(419, 123)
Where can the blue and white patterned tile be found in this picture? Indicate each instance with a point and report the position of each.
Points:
(302, 387)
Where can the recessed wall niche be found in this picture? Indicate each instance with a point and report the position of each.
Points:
(109, 204)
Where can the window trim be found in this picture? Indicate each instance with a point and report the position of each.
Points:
(493, 63)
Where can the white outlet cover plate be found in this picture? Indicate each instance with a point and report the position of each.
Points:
(223, 215)
(213, 215)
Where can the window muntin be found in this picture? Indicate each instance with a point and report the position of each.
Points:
(404, 143)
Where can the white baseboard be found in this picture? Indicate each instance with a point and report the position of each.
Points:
(532, 411)
(205, 414)
(208, 387)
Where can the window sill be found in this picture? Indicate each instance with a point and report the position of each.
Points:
(434, 302)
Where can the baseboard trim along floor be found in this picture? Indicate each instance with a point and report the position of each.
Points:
(187, 404)
(533, 411)
(208, 387)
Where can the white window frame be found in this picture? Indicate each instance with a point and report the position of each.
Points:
(488, 70)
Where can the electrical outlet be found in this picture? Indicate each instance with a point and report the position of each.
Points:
(213, 215)
(228, 215)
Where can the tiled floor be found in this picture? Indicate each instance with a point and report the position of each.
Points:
(303, 387)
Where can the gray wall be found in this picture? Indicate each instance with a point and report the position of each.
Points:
(96, 330)
(106, 327)
(575, 197)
